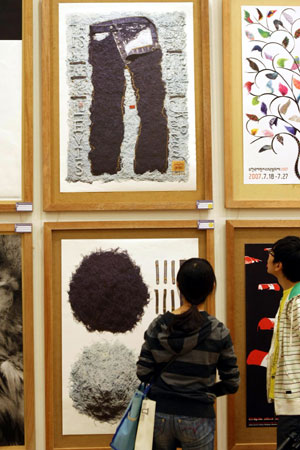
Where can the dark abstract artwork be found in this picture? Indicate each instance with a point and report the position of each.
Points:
(129, 96)
(115, 290)
(107, 294)
(263, 294)
(111, 290)
(11, 343)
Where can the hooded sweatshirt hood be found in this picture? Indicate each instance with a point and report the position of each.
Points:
(178, 342)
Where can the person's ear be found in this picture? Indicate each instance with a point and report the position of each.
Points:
(277, 266)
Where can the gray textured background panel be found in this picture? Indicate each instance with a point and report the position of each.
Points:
(172, 37)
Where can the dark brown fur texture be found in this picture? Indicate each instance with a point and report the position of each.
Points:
(107, 292)
(11, 346)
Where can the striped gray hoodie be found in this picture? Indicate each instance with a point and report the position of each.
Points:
(188, 386)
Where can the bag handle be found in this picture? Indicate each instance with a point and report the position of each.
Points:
(157, 375)
(145, 388)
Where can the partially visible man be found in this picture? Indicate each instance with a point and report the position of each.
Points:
(283, 372)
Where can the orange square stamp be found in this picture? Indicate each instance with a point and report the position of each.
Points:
(178, 166)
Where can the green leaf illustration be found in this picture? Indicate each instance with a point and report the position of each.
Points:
(263, 33)
(247, 17)
(281, 62)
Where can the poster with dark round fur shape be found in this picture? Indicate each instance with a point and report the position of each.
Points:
(116, 287)
(107, 292)
(103, 380)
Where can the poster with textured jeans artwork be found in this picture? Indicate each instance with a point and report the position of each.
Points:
(127, 112)
(111, 290)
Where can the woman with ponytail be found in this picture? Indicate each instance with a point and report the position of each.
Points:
(200, 346)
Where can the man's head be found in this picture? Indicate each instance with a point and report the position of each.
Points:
(196, 280)
(284, 257)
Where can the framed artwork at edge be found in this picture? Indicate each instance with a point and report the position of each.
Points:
(16, 111)
(253, 298)
(154, 251)
(17, 352)
(132, 132)
(261, 100)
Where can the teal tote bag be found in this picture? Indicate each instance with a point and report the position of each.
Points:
(124, 437)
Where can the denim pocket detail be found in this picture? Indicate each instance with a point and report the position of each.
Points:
(196, 428)
(159, 425)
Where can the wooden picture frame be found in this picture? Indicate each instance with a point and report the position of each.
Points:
(26, 181)
(238, 194)
(149, 198)
(54, 234)
(239, 233)
(27, 321)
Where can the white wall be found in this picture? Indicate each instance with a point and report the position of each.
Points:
(219, 213)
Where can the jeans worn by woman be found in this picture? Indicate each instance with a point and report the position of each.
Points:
(189, 433)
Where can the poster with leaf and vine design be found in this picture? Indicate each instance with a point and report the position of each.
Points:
(271, 94)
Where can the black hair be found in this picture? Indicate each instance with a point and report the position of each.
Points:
(287, 251)
(196, 280)
(107, 292)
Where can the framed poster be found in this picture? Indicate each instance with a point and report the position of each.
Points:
(261, 97)
(16, 104)
(253, 298)
(126, 105)
(16, 340)
(129, 270)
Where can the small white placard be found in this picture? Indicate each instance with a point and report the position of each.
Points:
(23, 227)
(205, 204)
(206, 224)
(24, 206)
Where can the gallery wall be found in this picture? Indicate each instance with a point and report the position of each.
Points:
(219, 214)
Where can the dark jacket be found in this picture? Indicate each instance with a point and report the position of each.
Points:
(188, 386)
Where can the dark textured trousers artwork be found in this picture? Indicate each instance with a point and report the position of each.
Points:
(114, 46)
